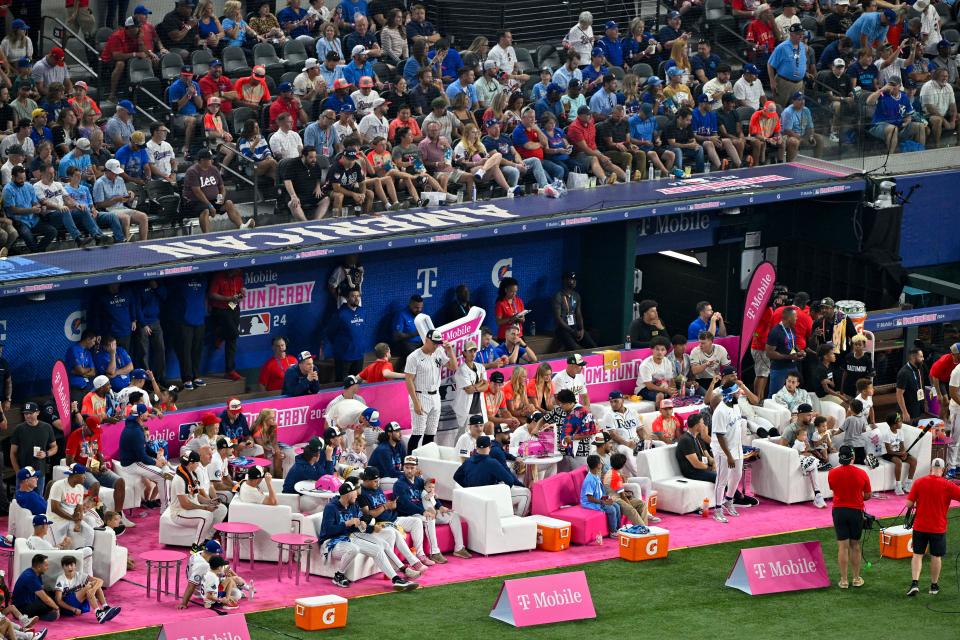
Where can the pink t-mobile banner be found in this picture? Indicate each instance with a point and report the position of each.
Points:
(300, 418)
(59, 387)
(758, 295)
(230, 627)
(783, 567)
(544, 599)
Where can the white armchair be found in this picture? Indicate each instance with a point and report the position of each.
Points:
(675, 493)
(359, 568)
(23, 556)
(440, 463)
(271, 520)
(20, 521)
(491, 525)
(178, 535)
(776, 474)
(109, 558)
(133, 495)
(775, 412)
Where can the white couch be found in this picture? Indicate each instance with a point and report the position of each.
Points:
(20, 521)
(777, 475)
(109, 558)
(440, 463)
(676, 494)
(178, 535)
(281, 518)
(359, 568)
(132, 495)
(492, 526)
(23, 556)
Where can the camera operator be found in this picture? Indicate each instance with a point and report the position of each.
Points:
(931, 497)
(851, 486)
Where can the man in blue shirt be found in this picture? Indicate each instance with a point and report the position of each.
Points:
(304, 467)
(605, 99)
(842, 47)
(28, 594)
(114, 362)
(192, 300)
(350, 8)
(361, 36)
(40, 132)
(293, 19)
(446, 60)
(707, 133)
(22, 206)
(80, 158)
(864, 72)
(670, 31)
(870, 29)
(892, 119)
(27, 496)
(419, 28)
(360, 67)
(550, 103)
(79, 363)
(645, 133)
(150, 348)
(464, 84)
(707, 320)
(302, 378)
(787, 65)
(569, 71)
(135, 159)
(374, 503)
(186, 98)
(483, 470)
(408, 492)
(348, 337)
(141, 461)
(796, 124)
(118, 309)
(592, 75)
(405, 336)
(612, 45)
(388, 457)
(704, 64)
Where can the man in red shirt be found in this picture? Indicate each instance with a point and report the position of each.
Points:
(582, 134)
(214, 83)
(225, 293)
(940, 377)
(931, 495)
(151, 42)
(123, 44)
(381, 369)
(85, 446)
(273, 370)
(851, 486)
(287, 103)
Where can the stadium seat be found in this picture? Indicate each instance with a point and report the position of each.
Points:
(281, 518)
(140, 70)
(235, 62)
(547, 56)
(559, 497)
(642, 70)
(525, 63)
(20, 521)
(294, 53)
(265, 54)
(170, 65)
(676, 494)
(491, 523)
(201, 59)
(440, 463)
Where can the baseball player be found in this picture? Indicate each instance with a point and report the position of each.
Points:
(728, 424)
(423, 385)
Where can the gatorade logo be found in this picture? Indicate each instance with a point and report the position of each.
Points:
(329, 615)
(652, 547)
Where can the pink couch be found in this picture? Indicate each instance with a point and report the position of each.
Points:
(559, 497)
(444, 538)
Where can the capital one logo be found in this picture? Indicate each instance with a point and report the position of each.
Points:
(652, 547)
(74, 325)
(501, 269)
(427, 281)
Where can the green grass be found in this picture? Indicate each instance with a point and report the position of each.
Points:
(681, 596)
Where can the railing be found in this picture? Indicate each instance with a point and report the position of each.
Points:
(62, 42)
(253, 181)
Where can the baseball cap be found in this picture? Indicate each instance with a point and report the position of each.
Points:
(204, 154)
(130, 22)
(576, 359)
(411, 460)
(142, 10)
(259, 70)
(573, 83)
(359, 50)
(24, 62)
(310, 63)
(435, 336)
(938, 463)
(804, 408)
(83, 144)
(304, 355)
(728, 370)
(751, 69)
(370, 473)
(38, 112)
(583, 110)
(347, 487)
(839, 62)
(283, 87)
(253, 473)
(30, 407)
(26, 472)
(797, 96)
(19, 24)
(489, 64)
(611, 24)
(674, 71)
(209, 419)
(894, 80)
(350, 154)
(497, 377)
(213, 100)
(844, 2)
(212, 546)
(492, 122)
(365, 82)
(955, 348)
(100, 381)
(890, 15)
(139, 410)
(235, 404)
(332, 55)
(553, 87)
(666, 403)
(223, 443)
(92, 421)
(601, 438)
(127, 105)
(796, 27)
(40, 520)
(501, 427)
(654, 81)
(704, 98)
(331, 432)
(348, 108)
(944, 44)
(483, 442)
(391, 427)
(80, 84)
(828, 301)
(349, 381)
(58, 54)
(341, 83)
(673, 15)
(536, 415)
(469, 345)
(379, 102)
(138, 374)
(475, 419)
(372, 416)
(190, 457)
(614, 395)
(17, 150)
(597, 52)
(76, 470)
(186, 70)
(728, 97)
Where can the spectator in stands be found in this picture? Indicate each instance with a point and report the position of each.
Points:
(163, 161)
(863, 72)
(405, 120)
(43, 158)
(374, 124)
(798, 128)
(792, 396)
(838, 21)
(419, 29)
(682, 140)
(273, 370)
(892, 119)
(252, 91)
(236, 31)
(445, 61)
(513, 349)
(617, 145)
(582, 134)
(782, 349)
(463, 84)
(209, 30)
(61, 207)
(79, 363)
(765, 133)
(179, 27)
(448, 123)
(18, 151)
(594, 73)
(487, 85)
(186, 99)
(32, 443)
(655, 374)
(748, 89)
(215, 84)
(285, 143)
(287, 103)
(113, 361)
(787, 66)
(267, 25)
(707, 359)
(302, 379)
(309, 85)
(23, 105)
(293, 20)
(17, 44)
(426, 92)
(718, 85)
(939, 105)
(870, 29)
(433, 154)
(381, 369)
(204, 196)
(51, 69)
(647, 326)
(301, 178)
(23, 207)
(707, 320)
(225, 294)
(359, 67)
(706, 128)
(838, 96)
(84, 446)
(644, 131)
(505, 56)
(322, 134)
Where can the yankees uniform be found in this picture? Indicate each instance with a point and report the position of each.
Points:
(953, 452)
(426, 370)
(728, 422)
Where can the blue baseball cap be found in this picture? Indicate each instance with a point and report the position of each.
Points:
(284, 86)
(126, 104)
(372, 416)
(215, 63)
(674, 71)
(41, 519)
(212, 546)
(347, 108)
(553, 86)
(19, 24)
(673, 15)
(76, 470)
(654, 81)
(139, 410)
(27, 472)
(615, 394)
(492, 122)
(751, 68)
(944, 44)
(647, 109)
(612, 24)
(142, 10)
(24, 62)
(597, 51)
(797, 96)
(890, 15)
(138, 374)
(704, 98)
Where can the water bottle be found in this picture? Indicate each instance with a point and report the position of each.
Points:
(599, 539)
(626, 343)
(533, 328)
(705, 510)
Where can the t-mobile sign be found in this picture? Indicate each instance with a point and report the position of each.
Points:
(231, 627)
(557, 597)
(778, 568)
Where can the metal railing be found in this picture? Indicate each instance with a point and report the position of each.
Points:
(62, 43)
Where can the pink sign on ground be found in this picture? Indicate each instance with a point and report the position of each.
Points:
(231, 627)
(783, 567)
(558, 597)
(301, 417)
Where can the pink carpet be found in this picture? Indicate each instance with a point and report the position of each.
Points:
(769, 518)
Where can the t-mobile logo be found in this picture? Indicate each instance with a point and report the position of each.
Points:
(427, 281)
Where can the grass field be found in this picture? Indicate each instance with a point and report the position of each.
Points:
(682, 596)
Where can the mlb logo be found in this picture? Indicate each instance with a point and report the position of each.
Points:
(321, 612)
(256, 324)
(636, 547)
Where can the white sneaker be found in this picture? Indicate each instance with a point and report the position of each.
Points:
(898, 489)
(248, 224)
(834, 137)
(653, 519)
(718, 516)
(127, 523)
(819, 502)
(729, 509)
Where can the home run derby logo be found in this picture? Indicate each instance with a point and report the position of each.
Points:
(501, 269)
(75, 324)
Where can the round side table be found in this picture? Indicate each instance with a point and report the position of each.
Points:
(294, 544)
(238, 532)
(164, 560)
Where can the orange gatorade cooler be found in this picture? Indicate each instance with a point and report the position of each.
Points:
(552, 534)
(321, 612)
(637, 547)
(896, 542)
